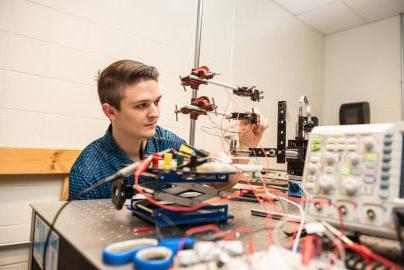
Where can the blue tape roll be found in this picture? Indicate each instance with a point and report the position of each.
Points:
(153, 258)
(122, 252)
(175, 243)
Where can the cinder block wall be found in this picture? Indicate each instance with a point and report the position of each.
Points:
(50, 52)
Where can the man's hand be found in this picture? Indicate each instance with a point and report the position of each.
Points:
(250, 135)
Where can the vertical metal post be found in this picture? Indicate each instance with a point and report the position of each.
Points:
(402, 63)
(196, 64)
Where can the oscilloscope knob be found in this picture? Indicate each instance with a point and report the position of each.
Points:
(329, 158)
(351, 186)
(326, 184)
(312, 169)
(354, 158)
(369, 143)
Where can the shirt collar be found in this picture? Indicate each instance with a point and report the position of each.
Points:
(113, 148)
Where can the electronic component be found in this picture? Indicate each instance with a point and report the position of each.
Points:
(254, 94)
(162, 217)
(294, 151)
(178, 183)
(354, 113)
(356, 172)
(295, 186)
(201, 106)
(187, 194)
(251, 118)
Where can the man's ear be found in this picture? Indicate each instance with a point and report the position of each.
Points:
(109, 111)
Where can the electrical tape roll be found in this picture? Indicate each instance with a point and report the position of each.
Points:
(153, 258)
(122, 252)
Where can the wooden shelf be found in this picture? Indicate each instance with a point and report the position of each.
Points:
(36, 161)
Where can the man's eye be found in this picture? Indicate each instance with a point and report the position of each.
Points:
(141, 106)
(157, 101)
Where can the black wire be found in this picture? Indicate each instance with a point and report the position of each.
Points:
(397, 224)
(102, 182)
(141, 152)
(108, 179)
(51, 228)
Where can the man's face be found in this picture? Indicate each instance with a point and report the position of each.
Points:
(140, 110)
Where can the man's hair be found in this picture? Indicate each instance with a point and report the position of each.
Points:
(114, 78)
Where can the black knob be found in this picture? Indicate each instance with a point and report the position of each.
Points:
(342, 209)
(118, 193)
(318, 206)
(371, 214)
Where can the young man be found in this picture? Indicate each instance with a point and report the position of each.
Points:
(130, 96)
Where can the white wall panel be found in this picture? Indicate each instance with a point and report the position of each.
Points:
(363, 64)
(29, 19)
(2, 75)
(67, 30)
(6, 7)
(70, 64)
(281, 56)
(24, 129)
(3, 44)
(17, 192)
(71, 132)
(15, 255)
(14, 233)
(27, 55)
(17, 266)
(38, 94)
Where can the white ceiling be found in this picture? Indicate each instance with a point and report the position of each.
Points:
(331, 16)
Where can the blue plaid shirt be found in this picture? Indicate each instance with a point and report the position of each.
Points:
(103, 157)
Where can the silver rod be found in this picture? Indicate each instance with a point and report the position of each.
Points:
(337, 233)
(201, 111)
(275, 215)
(14, 244)
(198, 34)
(225, 85)
(226, 115)
(402, 63)
(196, 64)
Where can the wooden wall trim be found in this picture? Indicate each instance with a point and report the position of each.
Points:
(36, 161)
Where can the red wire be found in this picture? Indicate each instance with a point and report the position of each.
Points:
(369, 255)
(268, 218)
(203, 228)
(307, 249)
(143, 166)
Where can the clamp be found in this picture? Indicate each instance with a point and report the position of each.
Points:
(199, 105)
(202, 75)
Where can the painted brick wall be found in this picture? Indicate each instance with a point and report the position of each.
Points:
(50, 52)
(363, 64)
(281, 56)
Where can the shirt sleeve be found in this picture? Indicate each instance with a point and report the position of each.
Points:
(86, 172)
